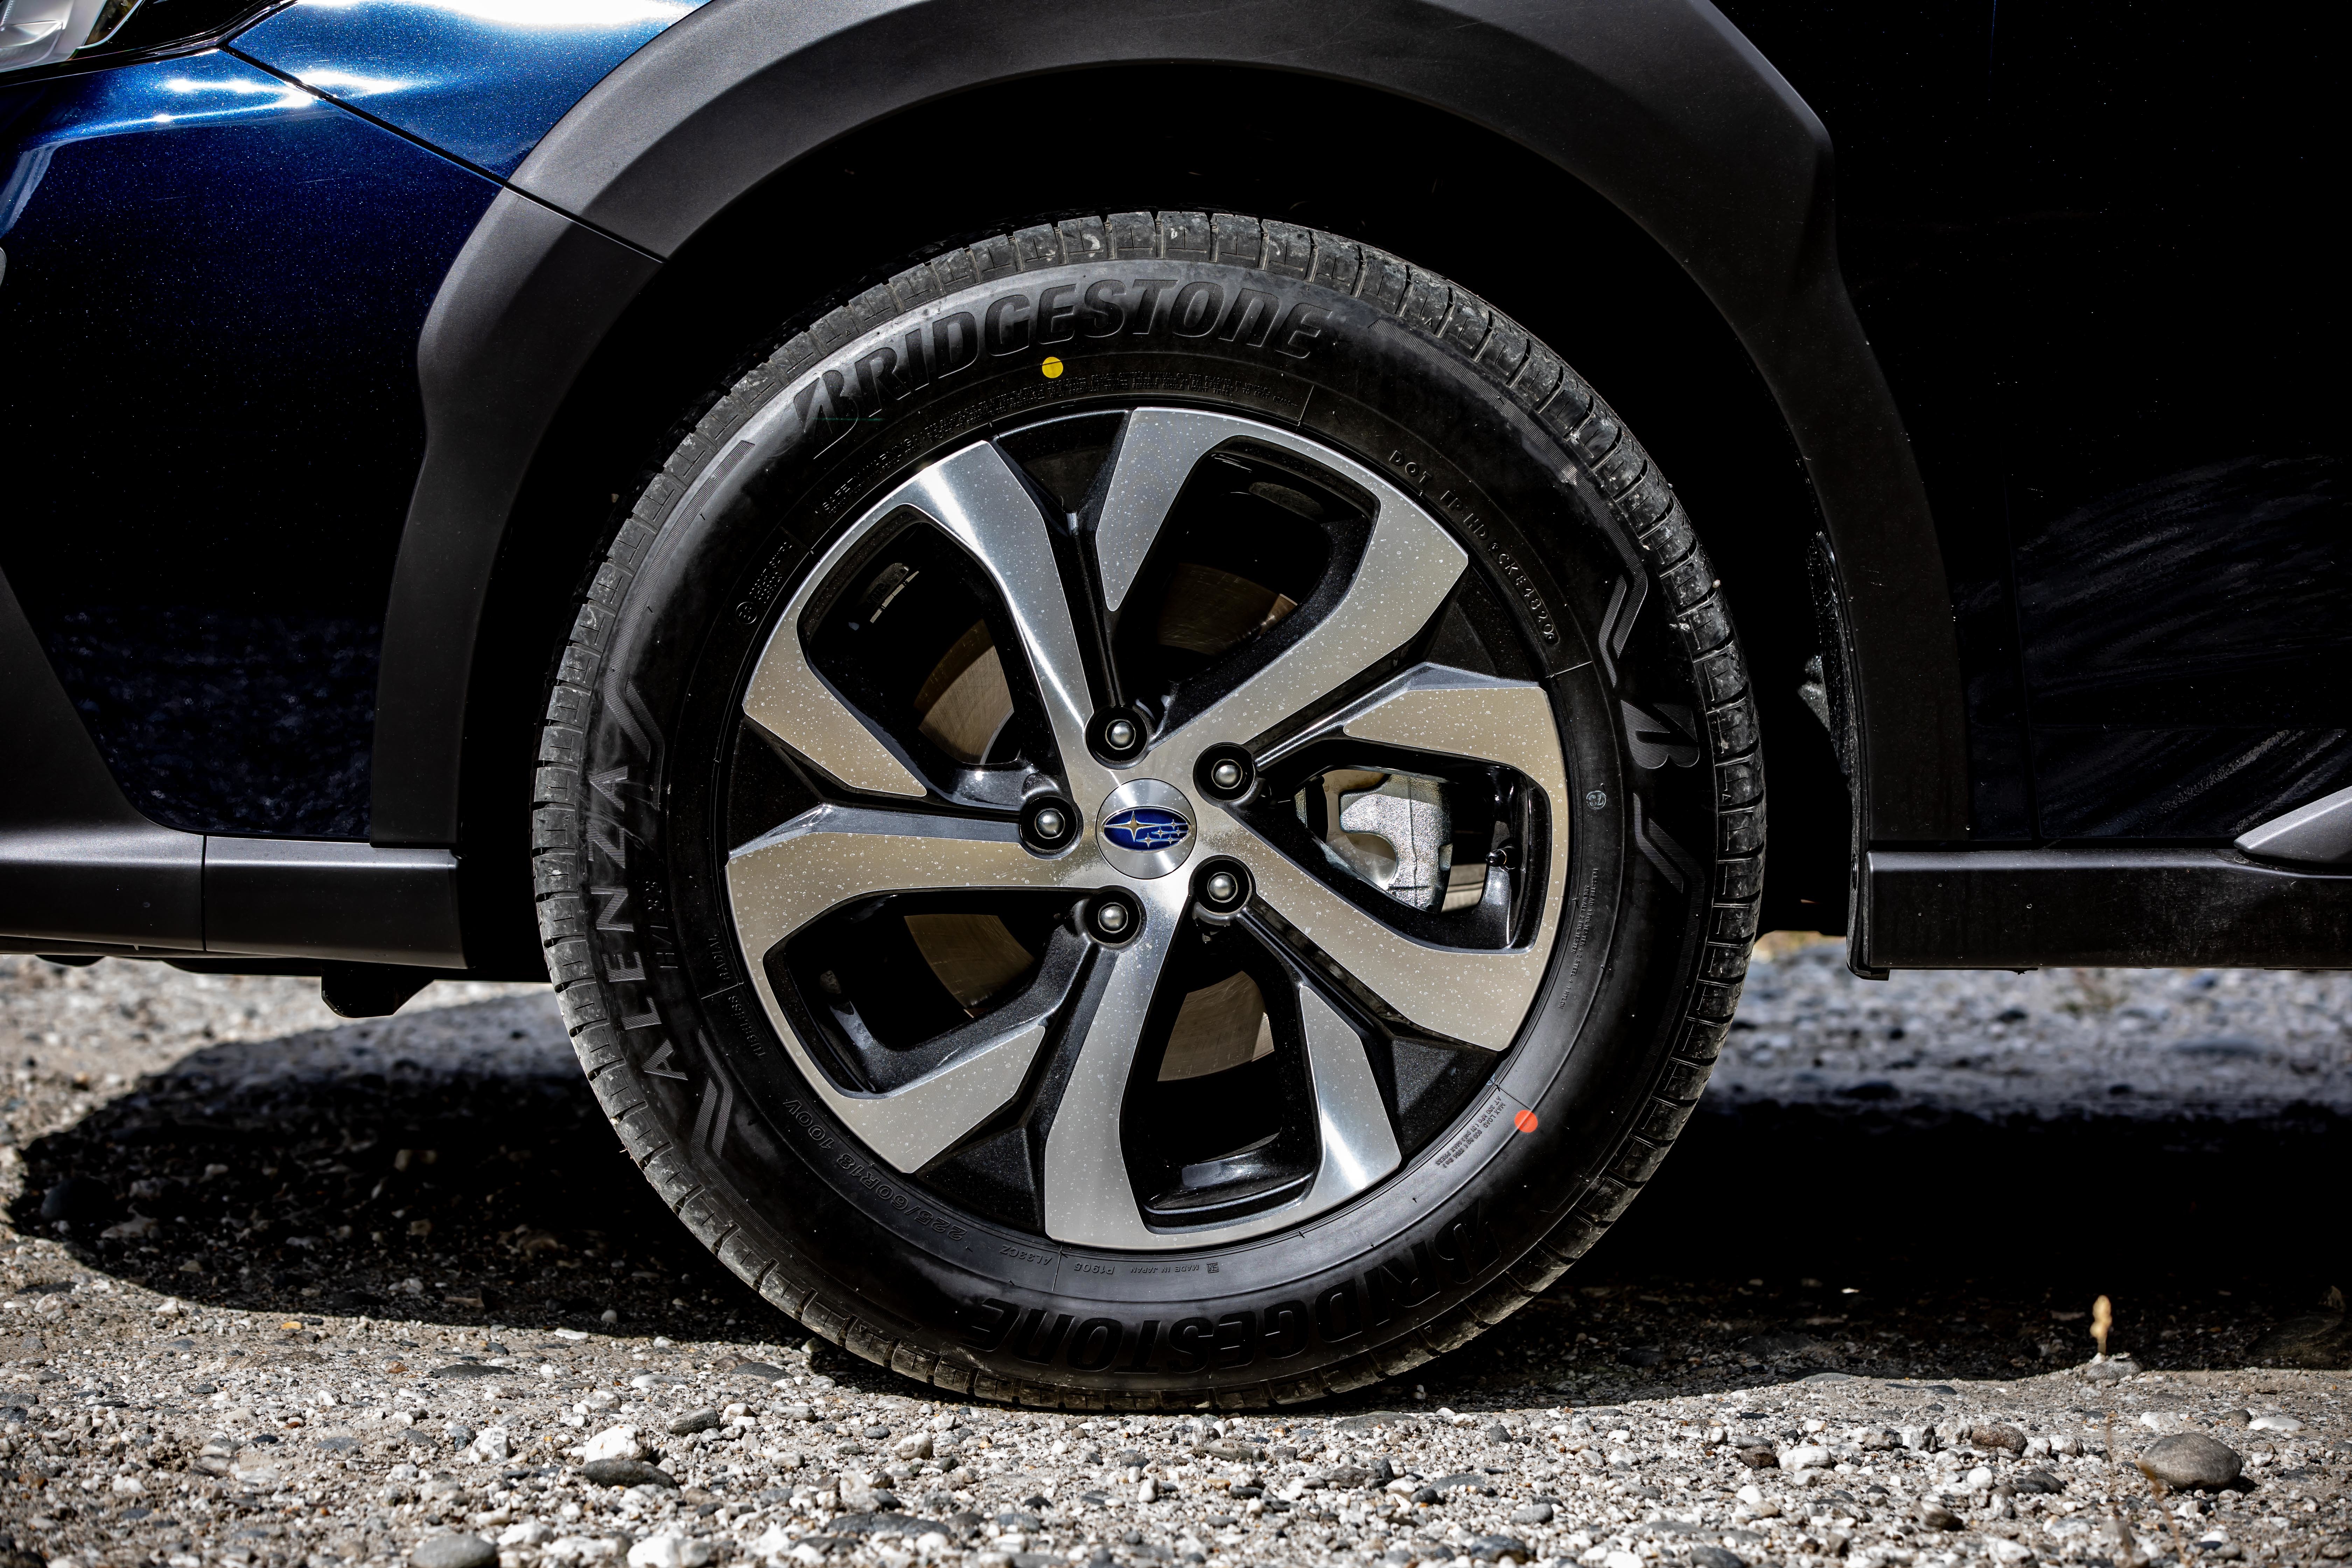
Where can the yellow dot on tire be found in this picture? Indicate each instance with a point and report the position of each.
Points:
(1052, 367)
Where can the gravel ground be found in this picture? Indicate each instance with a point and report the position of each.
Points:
(279, 1290)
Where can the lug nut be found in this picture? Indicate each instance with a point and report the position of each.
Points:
(1225, 774)
(1120, 734)
(1111, 919)
(1220, 889)
(1047, 825)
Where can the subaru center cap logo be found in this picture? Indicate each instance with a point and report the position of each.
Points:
(1145, 828)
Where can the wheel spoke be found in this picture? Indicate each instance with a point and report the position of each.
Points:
(977, 498)
(1473, 995)
(1157, 453)
(1451, 712)
(982, 1067)
(789, 700)
(1089, 1199)
(780, 882)
(1409, 567)
(1358, 1145)
(823, 858)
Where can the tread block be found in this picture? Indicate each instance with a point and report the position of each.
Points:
(1040, 246)
(955, 270)
(1702, 1040)
(1732, 923)
(867, 1342)
(1132, 234)
(1237, 239)
(994, 258)
(1186, 235)
(1465, 325)
(1663, 1123)
(1289, 249)
(1607, 1200)
(1621, 470)
(1505, 348)
(1736, 880)
(1384, 280)
(1084, 240)
(1687, 584)
(1637, 1162)
(1682, 1081)
(1338, 264)
(1426, 300)
(1739, 781)
(1715, 1001)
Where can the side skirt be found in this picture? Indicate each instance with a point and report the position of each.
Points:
(2025, 909)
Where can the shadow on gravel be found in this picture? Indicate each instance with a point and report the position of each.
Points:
(317, 1174)
(1778, 1241)
(1783, 1241)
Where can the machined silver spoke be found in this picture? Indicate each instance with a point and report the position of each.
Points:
(1408, 568)
(782, 881)
(1358, 1146)
(1473, 995)
(978, 499)
(828, 857)
(1157, 451)
(1089, 1199)
(793, 703)
(980, 1069)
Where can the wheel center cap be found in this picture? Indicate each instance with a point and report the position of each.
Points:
(1145, 828)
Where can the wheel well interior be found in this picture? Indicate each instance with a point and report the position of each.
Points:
(1414, 180)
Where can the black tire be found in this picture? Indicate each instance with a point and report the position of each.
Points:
(1581, 559)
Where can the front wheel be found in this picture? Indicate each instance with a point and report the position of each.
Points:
(1162, 807)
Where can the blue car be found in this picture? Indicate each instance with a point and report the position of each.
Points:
(1050, 620)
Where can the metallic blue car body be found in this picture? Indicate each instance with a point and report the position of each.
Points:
(478, 79)
(216, 268)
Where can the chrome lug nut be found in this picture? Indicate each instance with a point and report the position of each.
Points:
(1220, 889)
(1112, 919)
(1120, 734)
(1047, 825)
(1225, 774)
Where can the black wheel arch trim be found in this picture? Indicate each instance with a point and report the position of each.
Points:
(1664, 108)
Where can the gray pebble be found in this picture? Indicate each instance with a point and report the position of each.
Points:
(626, 1473)
(694, 1421)
(454, 1551)
(1489, 1548)
(2193, 1460)
(1532, 1513)
(1936, 1516)
(1995, 1435)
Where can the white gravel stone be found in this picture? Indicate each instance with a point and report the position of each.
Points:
(613, 1443)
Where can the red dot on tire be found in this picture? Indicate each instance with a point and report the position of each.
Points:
(1525, 1121)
